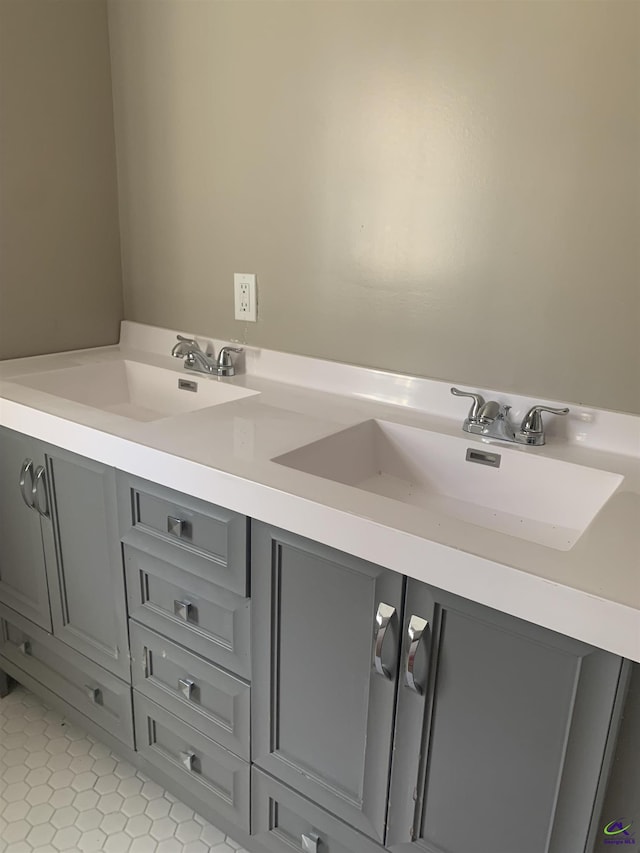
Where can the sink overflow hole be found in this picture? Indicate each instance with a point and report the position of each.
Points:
(187, 385)
(483, 458)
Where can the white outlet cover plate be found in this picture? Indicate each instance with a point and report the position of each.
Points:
(244, 289)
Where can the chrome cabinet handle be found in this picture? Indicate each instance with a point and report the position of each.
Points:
(93, 693)
(38, 478)
(310, 842)
(187, 758)
(182, 609)
(383, 616)
(186, 687)
(175, 526)
(415, 631)
(27, 468)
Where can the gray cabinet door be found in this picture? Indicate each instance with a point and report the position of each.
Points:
(322, 715)
(87, 588)
(500, 732)
(23, 579)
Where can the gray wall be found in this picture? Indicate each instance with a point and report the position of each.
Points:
(60, 271)
(447, 189)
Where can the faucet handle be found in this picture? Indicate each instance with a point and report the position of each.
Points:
(224, 357)
(478, 403)
(184, 347)
(532, 429)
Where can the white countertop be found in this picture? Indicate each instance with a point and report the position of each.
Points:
(223, 454)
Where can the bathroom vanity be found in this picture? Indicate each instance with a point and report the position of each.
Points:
(209, 581)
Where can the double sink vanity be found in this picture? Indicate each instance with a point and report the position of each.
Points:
(310, 605)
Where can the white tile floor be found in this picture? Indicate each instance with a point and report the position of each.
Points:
(61, 791)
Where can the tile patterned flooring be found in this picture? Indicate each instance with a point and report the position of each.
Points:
(61, 791)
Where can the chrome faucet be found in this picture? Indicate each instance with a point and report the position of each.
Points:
(199, 362)
(491, 420)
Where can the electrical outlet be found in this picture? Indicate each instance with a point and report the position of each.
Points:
(244, 288)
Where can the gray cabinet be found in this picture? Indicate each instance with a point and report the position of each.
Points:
(494, 743)
(26, 537)
(60, 563)
(186, 567)
(322, 716)
(500, 731)
(87, 588)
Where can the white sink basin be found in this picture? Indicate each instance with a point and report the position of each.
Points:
(135, 390)
(529, 496)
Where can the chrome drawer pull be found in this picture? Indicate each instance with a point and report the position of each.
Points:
(175, 526)
(384, 615)
(25, 648)
(39, 476)
(310, 842)
(188, 758)
(185, 687)
(27, 468)
(415, 631)
(93, 693)
(182, 609)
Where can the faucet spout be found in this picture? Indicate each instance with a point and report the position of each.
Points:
(500, 427)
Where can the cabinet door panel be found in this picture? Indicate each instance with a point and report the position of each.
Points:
(323, 715)
(87, 594)
(23, 580)
(496, 747)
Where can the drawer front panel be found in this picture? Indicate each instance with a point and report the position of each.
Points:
(98, 694)
(282, 821)
(206, 697)
(207, 539)
(211, 621)
(203, 767)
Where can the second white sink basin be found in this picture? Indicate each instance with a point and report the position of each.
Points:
(535, 498)
(135, 390)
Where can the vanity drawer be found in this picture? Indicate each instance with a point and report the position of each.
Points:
(204, 768)
(282, 821)
(92, 690)
(211, 621)
(205, 539)
(204, 696)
